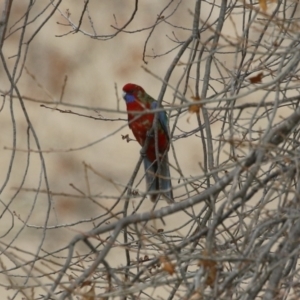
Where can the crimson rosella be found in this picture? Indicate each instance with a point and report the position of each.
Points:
(157, 170)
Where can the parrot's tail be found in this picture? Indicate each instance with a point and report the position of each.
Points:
(158, 179)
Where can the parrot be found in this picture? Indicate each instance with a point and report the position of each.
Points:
(157, 171)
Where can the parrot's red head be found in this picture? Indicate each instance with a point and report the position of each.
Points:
(131, 88)
(132, 91)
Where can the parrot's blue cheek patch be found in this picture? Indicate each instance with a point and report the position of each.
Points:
(128, 98)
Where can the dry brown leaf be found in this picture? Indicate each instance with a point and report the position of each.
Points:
(86, 283)
(263, 5)
(194, 108)
(126, 137)
(90, 294)
(166, 265)
(211, 268)
(169, 267)
(257, 78)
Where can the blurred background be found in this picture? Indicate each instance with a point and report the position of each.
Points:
(96, 70)
(59, 65)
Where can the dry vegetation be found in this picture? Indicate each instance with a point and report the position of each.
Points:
(76, 222)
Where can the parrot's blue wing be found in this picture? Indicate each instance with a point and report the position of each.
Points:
(162, 118)
(163, 180)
